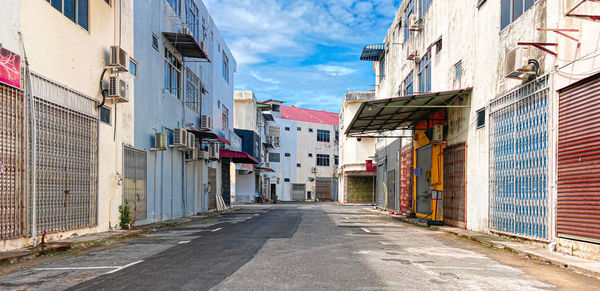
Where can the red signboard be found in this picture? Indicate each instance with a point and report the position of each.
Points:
(370, 167)
(10, 68)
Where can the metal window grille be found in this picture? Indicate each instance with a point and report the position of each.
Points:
(519, 161)
(12, 162)
(192, 91)
(134, 176)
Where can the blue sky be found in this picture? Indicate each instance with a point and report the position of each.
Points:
(302, 52)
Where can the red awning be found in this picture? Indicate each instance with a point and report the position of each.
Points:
(207, 134)
(238, 157)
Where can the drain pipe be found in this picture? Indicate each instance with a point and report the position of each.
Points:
(33, 144)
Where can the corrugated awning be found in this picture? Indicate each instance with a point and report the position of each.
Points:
(264, 169)
(206, 134)
(238, 157)
(372, 52)
(186, 45)
(376, 117)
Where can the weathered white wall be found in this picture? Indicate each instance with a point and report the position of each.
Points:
(9, 32)
(245, 114)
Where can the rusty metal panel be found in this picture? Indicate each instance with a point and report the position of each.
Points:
(135, 176)
(66, 158)
(324, 189)
(298, 192)
(519, 141)
(454, 185)
(12, 162)
(406, 181)
(578, 205)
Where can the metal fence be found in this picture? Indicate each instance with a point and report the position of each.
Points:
(519, 161)
(134, 176)
(12, 162)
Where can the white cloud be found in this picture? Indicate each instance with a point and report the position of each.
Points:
(334, 70)
(263, 79)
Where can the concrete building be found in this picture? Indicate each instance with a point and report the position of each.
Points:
(80, 131)
(185, 76)
(484, 122)
(306, 153)
(356, 178)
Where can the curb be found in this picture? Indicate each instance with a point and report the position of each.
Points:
(64, 246)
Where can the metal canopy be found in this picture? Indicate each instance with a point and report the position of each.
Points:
(207, 134)
(186, 45)
(372, 52)
(401, 113)
(237, 157)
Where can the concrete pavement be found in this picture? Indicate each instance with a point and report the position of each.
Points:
(294, 247)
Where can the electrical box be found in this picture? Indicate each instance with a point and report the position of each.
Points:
(438, 133)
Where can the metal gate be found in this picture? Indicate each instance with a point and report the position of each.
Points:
(134, 175)
(519, 161)
(324, 189)
(454, 185)
(298, 192)
(578, 208)
(12, 162)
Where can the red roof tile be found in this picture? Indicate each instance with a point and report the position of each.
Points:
(309, 115)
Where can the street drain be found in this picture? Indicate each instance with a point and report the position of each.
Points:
(403, 262)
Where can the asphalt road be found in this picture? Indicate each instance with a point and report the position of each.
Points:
(295, 247)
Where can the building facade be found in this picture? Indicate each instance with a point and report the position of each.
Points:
(305, 156)
(484, 110)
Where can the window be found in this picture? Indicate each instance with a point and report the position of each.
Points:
(155, 41)
(172, 74)
(309, 155)
(481, 118)
(425, 73)
(287, 129)
(298, 165)
(310, 130)
(512, 9)
(458, 70)
(275, 107)
(424, 7)
(323, 135)
(191, 16)
(76, 10)
(336, 159)
(105, 115)
(299, 128)
(274, 158)
(322, 160)
(410, 9)
(133, 67)
(286, 179)
(407, 85)
(225, 67)
(225, 117)
(382, 68)
(192, 90)
(107, 1)
(174, 5)
(288, 155)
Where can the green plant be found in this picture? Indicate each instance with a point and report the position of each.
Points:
(125, 216)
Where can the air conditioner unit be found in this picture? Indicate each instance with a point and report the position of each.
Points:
(414, 24)
(438, 133)
(213, 153)
(203, 154)
(313, 169)
(118, 59)
(411, 53)
(180, 138)
(118, 89)
(205, 122)
(160, 141)
(191, 155)
(517, 63)
(191, 141)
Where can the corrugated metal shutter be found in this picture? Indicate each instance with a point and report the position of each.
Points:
(212, 179)
(324, 189)
(298, 192)
(134, 175)
(578, 212)
(454, 185)
(391, 188)
(12, 162)
(381, 178)
(519, 161)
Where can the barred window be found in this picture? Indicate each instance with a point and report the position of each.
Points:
(192, 19)
(322, 160)
(323, 135)
(192, 91)
(225, 117)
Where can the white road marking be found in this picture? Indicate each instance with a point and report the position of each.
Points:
(365, 230)
(116, 268)
(216, 229)
(183, 242)
(123, 267)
